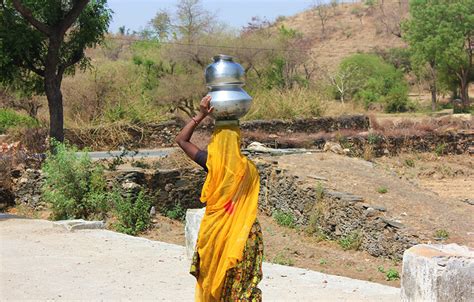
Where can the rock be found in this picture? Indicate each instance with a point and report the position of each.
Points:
(438, 273)
(379, 208)
(191, 229)
(79, 224)
(317, 177)
(369, 212)
(152, 211)
(343, 196)
(128, 185)
(333, 147)
(393, 223)
(468, 201)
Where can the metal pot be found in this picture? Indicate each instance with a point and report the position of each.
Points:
(230, 102)
(224, 79)
(224, 71)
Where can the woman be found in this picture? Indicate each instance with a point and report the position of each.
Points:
(227, 262)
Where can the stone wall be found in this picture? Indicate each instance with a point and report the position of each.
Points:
(448, 143)
(327, 124)
(167, 188)
(444, 143)
(350, 131)
(333, 214)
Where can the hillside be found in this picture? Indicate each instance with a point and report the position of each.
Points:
(349, 28)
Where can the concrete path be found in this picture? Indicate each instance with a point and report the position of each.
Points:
(43, 262)
(140, 153)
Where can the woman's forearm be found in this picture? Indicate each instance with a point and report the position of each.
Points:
(188, 130)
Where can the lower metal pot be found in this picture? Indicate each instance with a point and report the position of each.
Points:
(230, 102)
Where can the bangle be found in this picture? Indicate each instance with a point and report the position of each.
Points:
(195, 121)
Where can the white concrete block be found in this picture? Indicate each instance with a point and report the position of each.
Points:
(191, 229)
(79, 224)
(438, 273)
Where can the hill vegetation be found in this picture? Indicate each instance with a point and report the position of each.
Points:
(334, 58)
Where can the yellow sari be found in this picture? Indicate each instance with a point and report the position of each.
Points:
(231, 195)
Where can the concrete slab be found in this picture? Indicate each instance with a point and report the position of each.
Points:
(79, 224)
(438, 272)
(41, 262)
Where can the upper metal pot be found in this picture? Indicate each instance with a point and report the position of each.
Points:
(224, 71)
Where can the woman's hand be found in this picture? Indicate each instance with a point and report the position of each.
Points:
(205, 107)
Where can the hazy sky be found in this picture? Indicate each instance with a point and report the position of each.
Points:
(135, 14)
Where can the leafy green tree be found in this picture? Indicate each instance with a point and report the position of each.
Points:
(440, 34)
(372, 80)
(42, 40)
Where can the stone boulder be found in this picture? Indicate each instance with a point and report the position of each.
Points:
(438, 273)
(191, 229)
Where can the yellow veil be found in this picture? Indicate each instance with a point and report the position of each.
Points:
(231, 195)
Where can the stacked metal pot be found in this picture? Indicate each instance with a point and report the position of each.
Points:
(225, 79)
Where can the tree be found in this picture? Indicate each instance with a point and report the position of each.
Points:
(20, 101)
(391, 15)
(161, 23)
(192, 19)
(322, 10)
(440, 34)
(48, 38)
(372, 81)
(344, 81)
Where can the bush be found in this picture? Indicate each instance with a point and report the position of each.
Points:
(375, 81)
(178, 212)
(11, 119)
(282, 259)
(284, 219)
(74, 185)
(351, 241)
(132, 212)
(392, 274)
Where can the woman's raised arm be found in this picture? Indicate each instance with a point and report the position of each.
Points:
(184, 137)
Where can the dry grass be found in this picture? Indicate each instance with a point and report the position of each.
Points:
(286, 104)
(109, 136)
(408, 127)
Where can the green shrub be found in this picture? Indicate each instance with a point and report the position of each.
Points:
(392, 275)
(132, 212)
(284, 218)
(372, 80)
(373, 139)
(74, 185)
(410, 163)
(382, 190)
(283, 259)
(442, 234)
(440, 149)
(178, 212)
(352, 241)
(11, 119)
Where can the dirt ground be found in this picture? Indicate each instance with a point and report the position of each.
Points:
(422, 203)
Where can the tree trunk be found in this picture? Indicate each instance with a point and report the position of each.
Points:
(52, 87)
(433, 88)
(433, 96)
(55, 106)
(464, 90)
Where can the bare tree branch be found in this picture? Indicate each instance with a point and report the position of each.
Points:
(28, 15)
